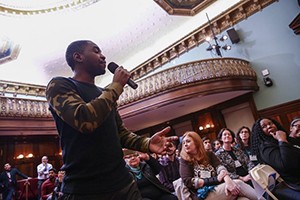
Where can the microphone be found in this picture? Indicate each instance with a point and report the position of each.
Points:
(112, 68)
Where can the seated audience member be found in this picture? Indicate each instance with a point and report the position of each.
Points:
(57, 194)
(204, 175)
(243, 139)
(295, 128)
(8, 181)
(235, 160)
(170, 167)
(144, 169)
(48, 185)
(216, 144)
(272, 145)
(206, 143)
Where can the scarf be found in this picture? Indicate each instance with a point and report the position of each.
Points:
(137, 172)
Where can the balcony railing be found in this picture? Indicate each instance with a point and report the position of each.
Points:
(27, 100)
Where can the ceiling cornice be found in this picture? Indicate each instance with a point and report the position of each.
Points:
(187, 7)
(232, 16)
(22, 8)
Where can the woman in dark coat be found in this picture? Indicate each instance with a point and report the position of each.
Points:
(144, 169)
(272, 145)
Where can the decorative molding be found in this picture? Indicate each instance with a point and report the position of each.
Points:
(183, 7)
(190, 74)
(197, 72)
(8, 51)
(22, 8)
(17, 89)
(185, 82)
(24, 108)
(232, 16)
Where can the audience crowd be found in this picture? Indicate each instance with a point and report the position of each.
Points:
(197, 168)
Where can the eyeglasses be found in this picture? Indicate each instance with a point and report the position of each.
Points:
(296, 125)
(131, 156)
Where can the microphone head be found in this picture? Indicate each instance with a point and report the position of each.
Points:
(112, 67)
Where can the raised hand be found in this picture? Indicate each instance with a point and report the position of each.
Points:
(159, 141)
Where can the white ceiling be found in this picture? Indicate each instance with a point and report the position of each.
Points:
(128, 32)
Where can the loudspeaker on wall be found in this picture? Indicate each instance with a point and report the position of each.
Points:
(233, 36)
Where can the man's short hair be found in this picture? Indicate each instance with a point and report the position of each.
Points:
(52, 169)
(76, 46)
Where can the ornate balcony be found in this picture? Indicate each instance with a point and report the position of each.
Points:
(203, 77)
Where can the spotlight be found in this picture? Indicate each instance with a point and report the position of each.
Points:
(209, 48)
(226, 47)
(223, 38)
(208, 38)
(268, 81)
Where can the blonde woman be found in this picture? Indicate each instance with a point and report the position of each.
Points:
(204, 176)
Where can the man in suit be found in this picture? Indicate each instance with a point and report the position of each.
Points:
(8, 181)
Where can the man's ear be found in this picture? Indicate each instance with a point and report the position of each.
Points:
(77, 57)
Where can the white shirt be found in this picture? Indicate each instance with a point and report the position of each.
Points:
(43, 171)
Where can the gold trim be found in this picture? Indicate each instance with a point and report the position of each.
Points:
(232, 16)
(187, 8)
(13, 9)
(196, 72)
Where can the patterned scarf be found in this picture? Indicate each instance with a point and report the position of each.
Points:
(137, 172)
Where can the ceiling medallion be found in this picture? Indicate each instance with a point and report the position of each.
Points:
(34, 7)
(183, 7)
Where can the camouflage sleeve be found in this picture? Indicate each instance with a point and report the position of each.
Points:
(70, 107)
(131, 140)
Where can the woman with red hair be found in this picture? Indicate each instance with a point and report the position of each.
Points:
(203, 174)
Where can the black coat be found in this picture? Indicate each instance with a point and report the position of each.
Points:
(4, 180)
(150, 169)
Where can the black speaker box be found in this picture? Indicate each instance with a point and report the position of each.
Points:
(233, 36)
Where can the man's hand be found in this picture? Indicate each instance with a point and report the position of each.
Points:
(221, 175)
(144, 156)
(159, 142)
(231, 187)
(121, 76)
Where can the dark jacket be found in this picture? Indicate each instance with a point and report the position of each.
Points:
(4, 180)
(284, 158)
(149, 170)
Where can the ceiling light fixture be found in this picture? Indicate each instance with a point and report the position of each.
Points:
(215, 46)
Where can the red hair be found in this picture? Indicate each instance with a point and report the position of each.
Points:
(201, 155)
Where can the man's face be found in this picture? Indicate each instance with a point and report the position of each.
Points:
(44, 160)
(93, 60)
(171, 149)
(295, 130)
(52, 174)
(207, 145)
(7, 167)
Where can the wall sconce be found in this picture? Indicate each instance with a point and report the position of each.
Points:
(21, 156)
(267, 80)
(206, 127)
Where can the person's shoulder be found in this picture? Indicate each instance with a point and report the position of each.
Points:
(210, 154)
(220, 151)
(58, 83)
(184, 162)
(59, 79)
